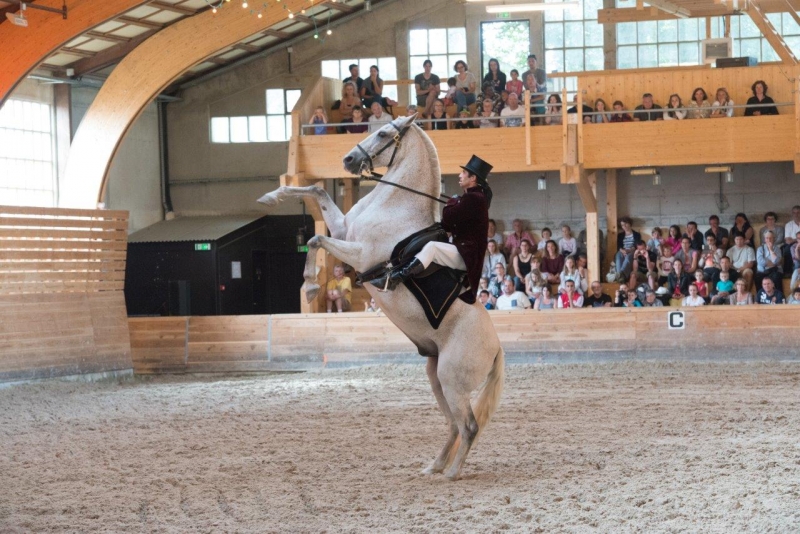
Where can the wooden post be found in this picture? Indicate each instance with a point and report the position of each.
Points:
(796, 122)
(611, 213)
(528, 126)
(592, 247)
(348, 200)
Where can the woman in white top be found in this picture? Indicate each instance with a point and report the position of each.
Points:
(493, 257)
(552, 114)
(493, 233)
(722, 106)
(570, 272)
(567, 244)
(699, 108)
(465, 86)
(693, 299)
(534, 282)
(676, 114)
(482, 116)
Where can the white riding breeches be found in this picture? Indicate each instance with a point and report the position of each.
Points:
(445, 254)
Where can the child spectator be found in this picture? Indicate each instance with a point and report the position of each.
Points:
(674, 238)
(546, 235)
(450, 95)
(654, 243)
(567, 244)
(700, 283)
(570, 272)
(319, 120)
(694, 298)
(723, 289)
(371, 306)
(485, 301)
(485, 114)
(664, 263)
(602, 114)
(795, 298)
(534, 282)
(464, 123)
(618, 115)
(514, 85)
(357, 125)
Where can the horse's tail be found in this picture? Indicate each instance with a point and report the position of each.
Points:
(489, 396)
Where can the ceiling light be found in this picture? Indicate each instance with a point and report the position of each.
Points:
(719, 168)
(522, 8)
(644, 171)
(542, 183)
(728, 177)
(244, 5)
(656, 179)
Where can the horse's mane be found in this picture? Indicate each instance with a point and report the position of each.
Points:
(433, 160)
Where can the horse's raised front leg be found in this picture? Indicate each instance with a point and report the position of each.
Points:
(333, 216)
(349, 253)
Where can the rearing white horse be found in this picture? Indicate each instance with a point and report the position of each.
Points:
(464, 351)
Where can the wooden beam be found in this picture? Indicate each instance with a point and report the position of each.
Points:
(25, 48)
(671, 8)
(770, 34)
(173, 8)
(107, 37)
(611, 214)
(109, 56)
(592, 247)
(276, 33)
(339, 6)
(584, 188)
(246, 47)
(77, 52)
(796, 123)
(631, 14)
(528, 126)
(142, 23)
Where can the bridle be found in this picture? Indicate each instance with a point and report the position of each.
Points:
(367, 170)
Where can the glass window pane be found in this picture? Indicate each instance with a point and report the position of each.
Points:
(592, 34)
(437, 41)
(590, 8)
(573, 34)
(687, 30)
(689, 54)
(553, 35)
(418, 42)
(330, 69)
(751, 48)
(276, 128)
(573, 13)
(257, 129)
(553, 15)
(626, 33)
(388, 68)
(292, 96)
(747, 28)
(594, 59)
(648, 56)
(767, 53)
(790, 27)
(220, 131)
(457, 40)
(288, 127)
(239, 132)
(364, 64)
(668, 55)
(794, 44)
(667, 31)
(275, 103)
(441, 67)
(344, 68)
(573, 60)
(554, 59)
(647, 32)
(775, 19)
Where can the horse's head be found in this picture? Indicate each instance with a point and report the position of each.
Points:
(379, 149)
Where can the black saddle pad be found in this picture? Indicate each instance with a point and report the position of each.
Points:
(436, 292)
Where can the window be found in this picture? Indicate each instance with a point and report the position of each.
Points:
(275, 126)
(387, 70)
(573, 40)
(27, 163)
(747, 39)
(443, 46)
(508, 42)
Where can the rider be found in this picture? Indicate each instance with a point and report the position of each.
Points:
(466, 219)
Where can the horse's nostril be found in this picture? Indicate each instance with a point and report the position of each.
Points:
(348, 159)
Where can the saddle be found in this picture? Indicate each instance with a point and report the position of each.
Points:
(435, 288)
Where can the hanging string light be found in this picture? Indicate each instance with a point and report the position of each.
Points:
(216, 5)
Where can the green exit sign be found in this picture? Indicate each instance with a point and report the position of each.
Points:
(504, 15)
(202, 246)
(304, 248)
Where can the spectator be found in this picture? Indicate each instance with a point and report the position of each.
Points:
(695, 237)
(678, 283)
(483, 283)
(546, 235)
(450, 95)
(760, 97)
(465, 123)
(723, 105)
(339, 291)
(493, 233)
(582, 262)
(357, 125)
(673, 113)
(742, 296)
(710, 258)
(495, 76)
(485, 115)
(522, 264)
(552, 263)
(545, 301)
(702, 287)
(768, 294)
(534, 282)
(411, 110)
(378, 118)
(632, 300)
(647, 110)
(674, 238)
(504, 97)
(619, 115)
(354, 78)
(769, 261)
(699, 108)
(795, 297)
(465, 86)
(725, 266)
(488, 93)
(587, 119)
(655, 241)
(428, 87)
(693, 299)
(602, 112)
(320, 121)
(770, 218)
(539, 86)
(664, 263)
(650, 300)
(493, 257)
(741, 226)
(723, 289)
(485, 299)
(570, 298)
(790, 233)
(512, 299)
(513, 114)
(515, 238)
(439, 117)
(570, 272)
(643, 263)
(719, 233)
(743, 259)
(552, 114)
(349, 100)
(795, 253)
(372, 90)
(621, 295)
(497, 279)
(626, 244)
(597, 299)
(514, 85)
(371, 306)
(567, 244)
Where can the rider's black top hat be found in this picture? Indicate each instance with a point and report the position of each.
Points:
(478, 167)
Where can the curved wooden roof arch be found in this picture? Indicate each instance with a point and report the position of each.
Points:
(24, 48)
(137, 81)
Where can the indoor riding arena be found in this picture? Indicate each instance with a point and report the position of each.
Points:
(188, 338)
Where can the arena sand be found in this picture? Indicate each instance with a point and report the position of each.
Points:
(626, 447)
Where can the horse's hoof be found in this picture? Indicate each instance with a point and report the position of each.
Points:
(452, 476)
(269, 200)
(431, 470)
(311, 291)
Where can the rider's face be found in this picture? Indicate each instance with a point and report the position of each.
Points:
(466, 180)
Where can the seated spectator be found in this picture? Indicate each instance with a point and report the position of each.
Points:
(664, 263)
(626, 244)
(485, 116)
(465, 123)
(372, 90)
(552, 263)
(514, 85)
(570, 272)
(743, 259)
(371, 306)
(769, 261)
(770, 218)
(720, 234)
(710, 258)
(488, 93)
(694, 236)
(725, 266)
(650, 300)
(570, 298)
(742, 296)
(546, 235)
(349, 101)
(791, 233)
(655, 241)
(522, 264)
(678, 283)
(494, 234)
(534, 282)
(545, 301)
(647, 110)
(466, 84)
(632, 300)
(495, 77)
(699, 108)
(702, 286)
(504, 97)
(356, 125)
(723, 289)
(621, 295)
(450, 95)
(688, 256)
(485, 299)
(320, 121)
(597, 299)
(567, 245)
(513, 114)
(674, 237)
(552, 113)
(619, 115)
(497, 279)
(644, 262)
(512, 299)
(492, 257)
(741, 226)
(483, 283)
(672, 112)
(515, 238)
(795, 297)
(796, 253)
(760, 98)
(428, 87)
(722, 106)
(411, 110)
(602, 112)
(768, 294)
(582, 262)
(438, 113)
(535, 80)
(354, 78)
(339, 291)
(693, 299)
(378, 118)
(587, 119)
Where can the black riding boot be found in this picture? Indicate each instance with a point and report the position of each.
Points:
(400, 275)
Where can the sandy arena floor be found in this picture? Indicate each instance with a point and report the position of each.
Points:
(627, 447)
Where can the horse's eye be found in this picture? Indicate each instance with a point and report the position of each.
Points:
(381, 134)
